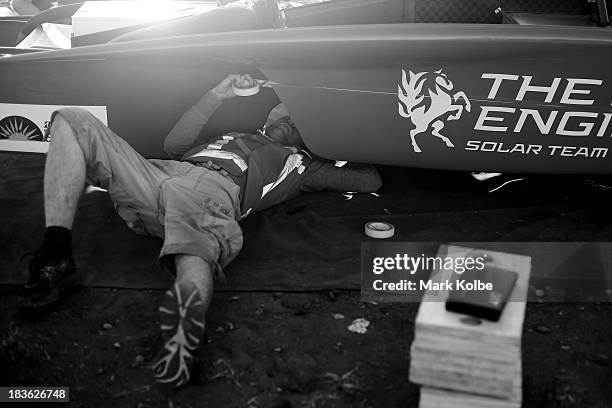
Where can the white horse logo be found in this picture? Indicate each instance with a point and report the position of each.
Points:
(425, 97)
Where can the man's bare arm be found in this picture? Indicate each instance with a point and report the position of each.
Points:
(185, 132)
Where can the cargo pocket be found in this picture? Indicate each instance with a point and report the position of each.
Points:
(221, 223)
(141, 222)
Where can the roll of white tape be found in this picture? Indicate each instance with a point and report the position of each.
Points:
(379, 229)
(254, 90)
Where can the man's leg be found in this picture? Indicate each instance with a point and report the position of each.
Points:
(83, 149)
(183, 318)
(202, 236)
(64, 175)
(63, 184)
(193, 269)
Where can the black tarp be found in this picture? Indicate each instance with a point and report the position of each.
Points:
(313, 242)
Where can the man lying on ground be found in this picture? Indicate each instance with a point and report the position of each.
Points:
(193, 202)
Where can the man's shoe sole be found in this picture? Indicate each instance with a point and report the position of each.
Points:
(181, 315)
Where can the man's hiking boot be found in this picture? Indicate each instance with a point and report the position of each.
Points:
(50, 280)
(181, 316)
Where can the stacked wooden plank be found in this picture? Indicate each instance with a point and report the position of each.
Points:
(462, 361)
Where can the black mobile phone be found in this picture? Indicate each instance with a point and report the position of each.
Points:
(481, 293)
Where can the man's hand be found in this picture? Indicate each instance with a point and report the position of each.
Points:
(224, 89)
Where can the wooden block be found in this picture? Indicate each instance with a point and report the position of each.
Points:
(432, 312)
(473, 375)
(482, 358)
(437, 398)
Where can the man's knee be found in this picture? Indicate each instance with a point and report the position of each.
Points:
(76, 123)
(60, 124)
(63, 122)
(74, 118)
(61, 131)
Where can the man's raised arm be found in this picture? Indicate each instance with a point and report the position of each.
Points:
(185, 132)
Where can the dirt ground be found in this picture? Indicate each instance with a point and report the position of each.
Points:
(281, 350)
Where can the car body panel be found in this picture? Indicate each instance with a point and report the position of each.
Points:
(475, 85)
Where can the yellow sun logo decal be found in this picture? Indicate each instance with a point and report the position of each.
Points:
(19, 128)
